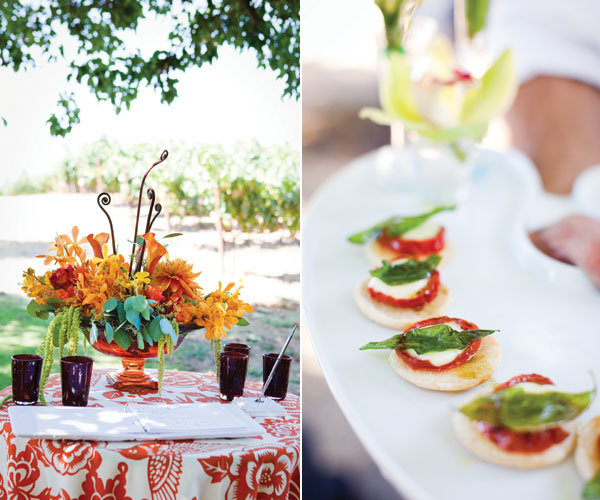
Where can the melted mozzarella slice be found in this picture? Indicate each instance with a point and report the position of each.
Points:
(405, 291)
(425, 231)
(439, 358)
(533, 388)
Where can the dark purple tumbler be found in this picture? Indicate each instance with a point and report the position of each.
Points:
(75, 377)
(234, 347)
(232, 374)
(278, 386)
(26, 373)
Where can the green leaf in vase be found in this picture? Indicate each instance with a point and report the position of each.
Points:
(122, 339)
(522, 411)
(395, 226)
(591, 490)
(476, 12)
(406, 272)
(109, 332)
(433, 338)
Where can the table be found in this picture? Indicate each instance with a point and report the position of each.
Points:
(259, 468)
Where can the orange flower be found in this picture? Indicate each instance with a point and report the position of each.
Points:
(97, 242)
(176, 277)
(154, 293)
(155, 252)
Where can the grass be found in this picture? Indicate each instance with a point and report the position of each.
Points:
(22, 333)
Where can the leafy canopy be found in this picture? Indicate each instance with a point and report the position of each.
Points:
(112, 66)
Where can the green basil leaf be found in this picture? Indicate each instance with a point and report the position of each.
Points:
(395, 226)
(110, 305)
(122, 339)
(109, 332)
(433, 338)
(371, 233)
(406, 272)
(404, 225)
(521, 411)
(591, 490)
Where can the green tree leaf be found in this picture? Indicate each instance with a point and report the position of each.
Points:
(115, 70)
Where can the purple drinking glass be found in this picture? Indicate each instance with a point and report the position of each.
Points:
(76, 376)
(234, 347)
(278, 386)
(232, 374)
(26, 373)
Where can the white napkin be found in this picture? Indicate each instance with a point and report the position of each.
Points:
(266, 408)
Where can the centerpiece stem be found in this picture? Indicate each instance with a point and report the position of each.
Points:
(163, 157)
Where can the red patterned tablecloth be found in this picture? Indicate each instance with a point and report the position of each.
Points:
(233, 469)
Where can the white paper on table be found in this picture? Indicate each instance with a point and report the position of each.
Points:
(133, 422)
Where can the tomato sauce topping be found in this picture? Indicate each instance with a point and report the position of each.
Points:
(519, 379)
(523, 442)
(413, 247)
(423, 296)
(461, 359)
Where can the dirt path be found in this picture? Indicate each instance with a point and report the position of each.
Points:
(268, 264)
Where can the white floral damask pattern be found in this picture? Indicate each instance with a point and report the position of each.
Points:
(262, 468)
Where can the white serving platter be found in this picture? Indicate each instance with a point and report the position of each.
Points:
(547, 311)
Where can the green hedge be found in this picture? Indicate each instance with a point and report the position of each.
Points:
(259, 186)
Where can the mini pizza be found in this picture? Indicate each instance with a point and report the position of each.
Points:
(443, 354)
(587, 457)
(526, 422)
(413, 237)
(402, 292)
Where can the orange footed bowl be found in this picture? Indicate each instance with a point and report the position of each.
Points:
(133, 377)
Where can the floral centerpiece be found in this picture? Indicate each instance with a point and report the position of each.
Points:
(135, 308)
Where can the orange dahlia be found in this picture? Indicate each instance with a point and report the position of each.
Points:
(176, 278)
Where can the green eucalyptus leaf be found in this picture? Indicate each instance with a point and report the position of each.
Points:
(133, 316)
(591, 490)
(433, 338)
(146, 313)
(155, 330)
(93, 333)
(406, 272)
(122, 339)
(522, 411)
(109, 332)
(140, 340)
(395, 226)
(242, 322)
(110, 305)
(139, 303)
(128, 304)
(121, 312)
(167, 329)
